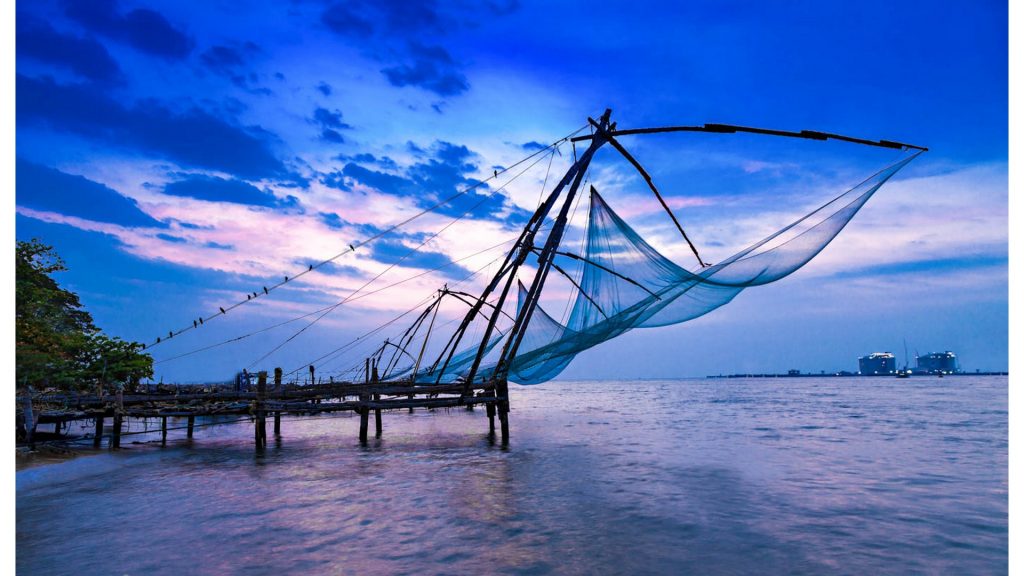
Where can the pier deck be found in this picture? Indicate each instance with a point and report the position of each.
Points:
(274, 401)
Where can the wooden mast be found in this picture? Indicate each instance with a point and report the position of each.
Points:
(513, 260)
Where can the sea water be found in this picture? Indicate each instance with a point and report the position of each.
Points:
(701, 476)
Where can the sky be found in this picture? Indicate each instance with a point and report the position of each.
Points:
(181, 156)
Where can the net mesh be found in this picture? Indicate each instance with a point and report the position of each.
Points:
(627, 284)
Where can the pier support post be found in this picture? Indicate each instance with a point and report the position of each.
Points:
(261, 415)
(364, 422)
(277, 379)
(377, 417)
(191, 426)
(277, 423)
(30, 420)
(98, 436)
(501, 390)
(163, 430)
(490, 416)
(115, 438)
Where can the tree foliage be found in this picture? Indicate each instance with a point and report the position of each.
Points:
(57, 344)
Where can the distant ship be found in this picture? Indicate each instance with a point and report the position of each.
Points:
(905, 371)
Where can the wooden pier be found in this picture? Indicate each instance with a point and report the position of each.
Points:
(274, 400)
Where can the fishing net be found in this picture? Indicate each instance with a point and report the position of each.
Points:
(627, 284)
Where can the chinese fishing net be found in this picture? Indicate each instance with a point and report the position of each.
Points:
(627, 284)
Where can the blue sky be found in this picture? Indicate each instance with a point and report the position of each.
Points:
(182, 155)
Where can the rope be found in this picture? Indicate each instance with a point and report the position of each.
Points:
(353, 342)
(396, 263)
(361, 296)
(222, 310)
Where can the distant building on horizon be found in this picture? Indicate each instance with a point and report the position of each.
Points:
(878, 363)
(938, 362)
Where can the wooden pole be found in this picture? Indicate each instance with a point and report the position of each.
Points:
(191, 426)
(115, 439)
(376, 397)
(261, 416)
(490, 416)
(377, 416)
(364, 420)
(98, 437)
(163, 430)
(277, 388)
(501, 390)
(30, 421)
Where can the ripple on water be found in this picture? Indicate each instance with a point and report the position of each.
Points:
(745, 476)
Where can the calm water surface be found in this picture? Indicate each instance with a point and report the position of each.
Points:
(783, 476)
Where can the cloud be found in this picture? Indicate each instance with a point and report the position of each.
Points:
(143, 29)
(404, 36)
(170, 238)
(324, 88)
(330, 124)
(363, 18)
(85, 57)
(215, 189)
(192, 137)
(50, 190)
(332, 220)
(230, 63)
(397, 252)
(342, 19)
(222, 59)
(431, 68)
(444, 170)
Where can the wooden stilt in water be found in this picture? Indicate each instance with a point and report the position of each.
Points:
(163, 430)
(115, 438)
(490, 416)
(375, 378)
(377, 416)
(277, 388)
(364, 421)
(30, 420)
(98, 436)
(501, 390)
(191, 426)
(261, 415)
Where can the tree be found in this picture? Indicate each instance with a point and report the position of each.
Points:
(57, 343)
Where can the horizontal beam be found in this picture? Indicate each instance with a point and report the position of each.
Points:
(306, 392)
(732, 129)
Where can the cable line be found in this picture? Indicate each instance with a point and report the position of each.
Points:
(222, 310)
(397, 262)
